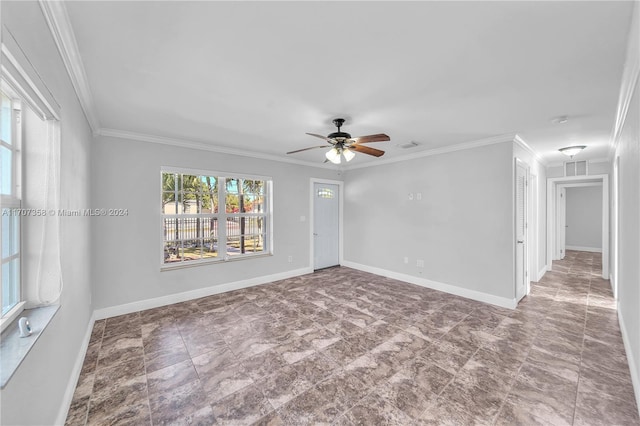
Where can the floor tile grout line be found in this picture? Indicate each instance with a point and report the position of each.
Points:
(94, 373)
(515, 376)
(408, 301)
(146, 376)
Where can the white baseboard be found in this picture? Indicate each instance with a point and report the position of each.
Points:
(156, 302)
(75, 374)
(633, 367)
(447, 288)
(589, 249)
(541, 273)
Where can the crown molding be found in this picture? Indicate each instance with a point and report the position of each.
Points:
(442, 150)
(518, 140)
(57, 19)
(630, 75)
(204, 146)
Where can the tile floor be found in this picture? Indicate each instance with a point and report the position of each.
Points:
(345, 347)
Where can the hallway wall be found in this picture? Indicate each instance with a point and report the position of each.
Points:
(584, 218)
(627, 149)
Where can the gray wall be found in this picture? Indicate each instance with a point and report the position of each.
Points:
(127, 250)
(462, 227)
(584, 217)
(628, 252)
(34, 395)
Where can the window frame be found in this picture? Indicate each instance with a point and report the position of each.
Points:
(13, 200)
(221, 216)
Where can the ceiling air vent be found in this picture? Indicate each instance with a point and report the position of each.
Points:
(411, 144)
(575, 168)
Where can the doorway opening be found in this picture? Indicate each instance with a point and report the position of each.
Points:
(326, 223)
(556, 216)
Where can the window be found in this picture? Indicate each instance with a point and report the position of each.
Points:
(207, 216)
(325, 193)
(10, 190)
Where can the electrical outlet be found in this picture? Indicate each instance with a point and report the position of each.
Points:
(290, 259)
(411, 196)
(419, 196)
(406, 260)
(420, 263)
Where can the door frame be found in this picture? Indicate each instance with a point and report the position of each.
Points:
(552, 185)
(525, 248)
(533, 242)
(312, 183)
(560, 245)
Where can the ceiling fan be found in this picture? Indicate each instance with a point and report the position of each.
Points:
(343, 144)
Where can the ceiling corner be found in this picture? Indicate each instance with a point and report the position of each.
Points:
(518, 139)
(59, 24)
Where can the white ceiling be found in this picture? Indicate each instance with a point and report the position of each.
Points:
(257, 75)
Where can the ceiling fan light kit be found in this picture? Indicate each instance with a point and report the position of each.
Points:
(333, 155)
(348, 154)
(342, 144)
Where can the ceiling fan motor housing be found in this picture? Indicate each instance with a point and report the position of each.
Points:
(339, 135)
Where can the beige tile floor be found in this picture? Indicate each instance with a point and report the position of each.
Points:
(345, 347)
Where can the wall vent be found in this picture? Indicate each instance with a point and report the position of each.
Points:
(576, 168)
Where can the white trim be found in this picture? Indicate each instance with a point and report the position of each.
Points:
(205, 146)
(541, 273)
(442, 150)
(156, 302)
(580, 185)
(67, 399)
(10, 316)
(447, 288)
(520, 142)
(340, 184)
(55, 14)
(589, 249)
(635, 374)
(24, 79)
(606, 223)
(208, 146)
(201, 172)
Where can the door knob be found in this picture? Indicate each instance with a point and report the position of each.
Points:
(520, 241)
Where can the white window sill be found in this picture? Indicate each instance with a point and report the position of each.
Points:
(192, 263)
(13, 348)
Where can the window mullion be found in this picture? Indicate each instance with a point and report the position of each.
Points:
(222, 218)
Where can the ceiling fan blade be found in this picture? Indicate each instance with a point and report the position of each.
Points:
(367, 150)
(381, 137)
(319, 136)
(306, 149)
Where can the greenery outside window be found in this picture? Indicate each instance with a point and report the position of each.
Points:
(210, 216)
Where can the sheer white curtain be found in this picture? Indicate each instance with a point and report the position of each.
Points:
(40, 121)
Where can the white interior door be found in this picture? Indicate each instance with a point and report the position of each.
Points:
(561, 222)
(532, 242)
(521, 230)
(326, 225)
